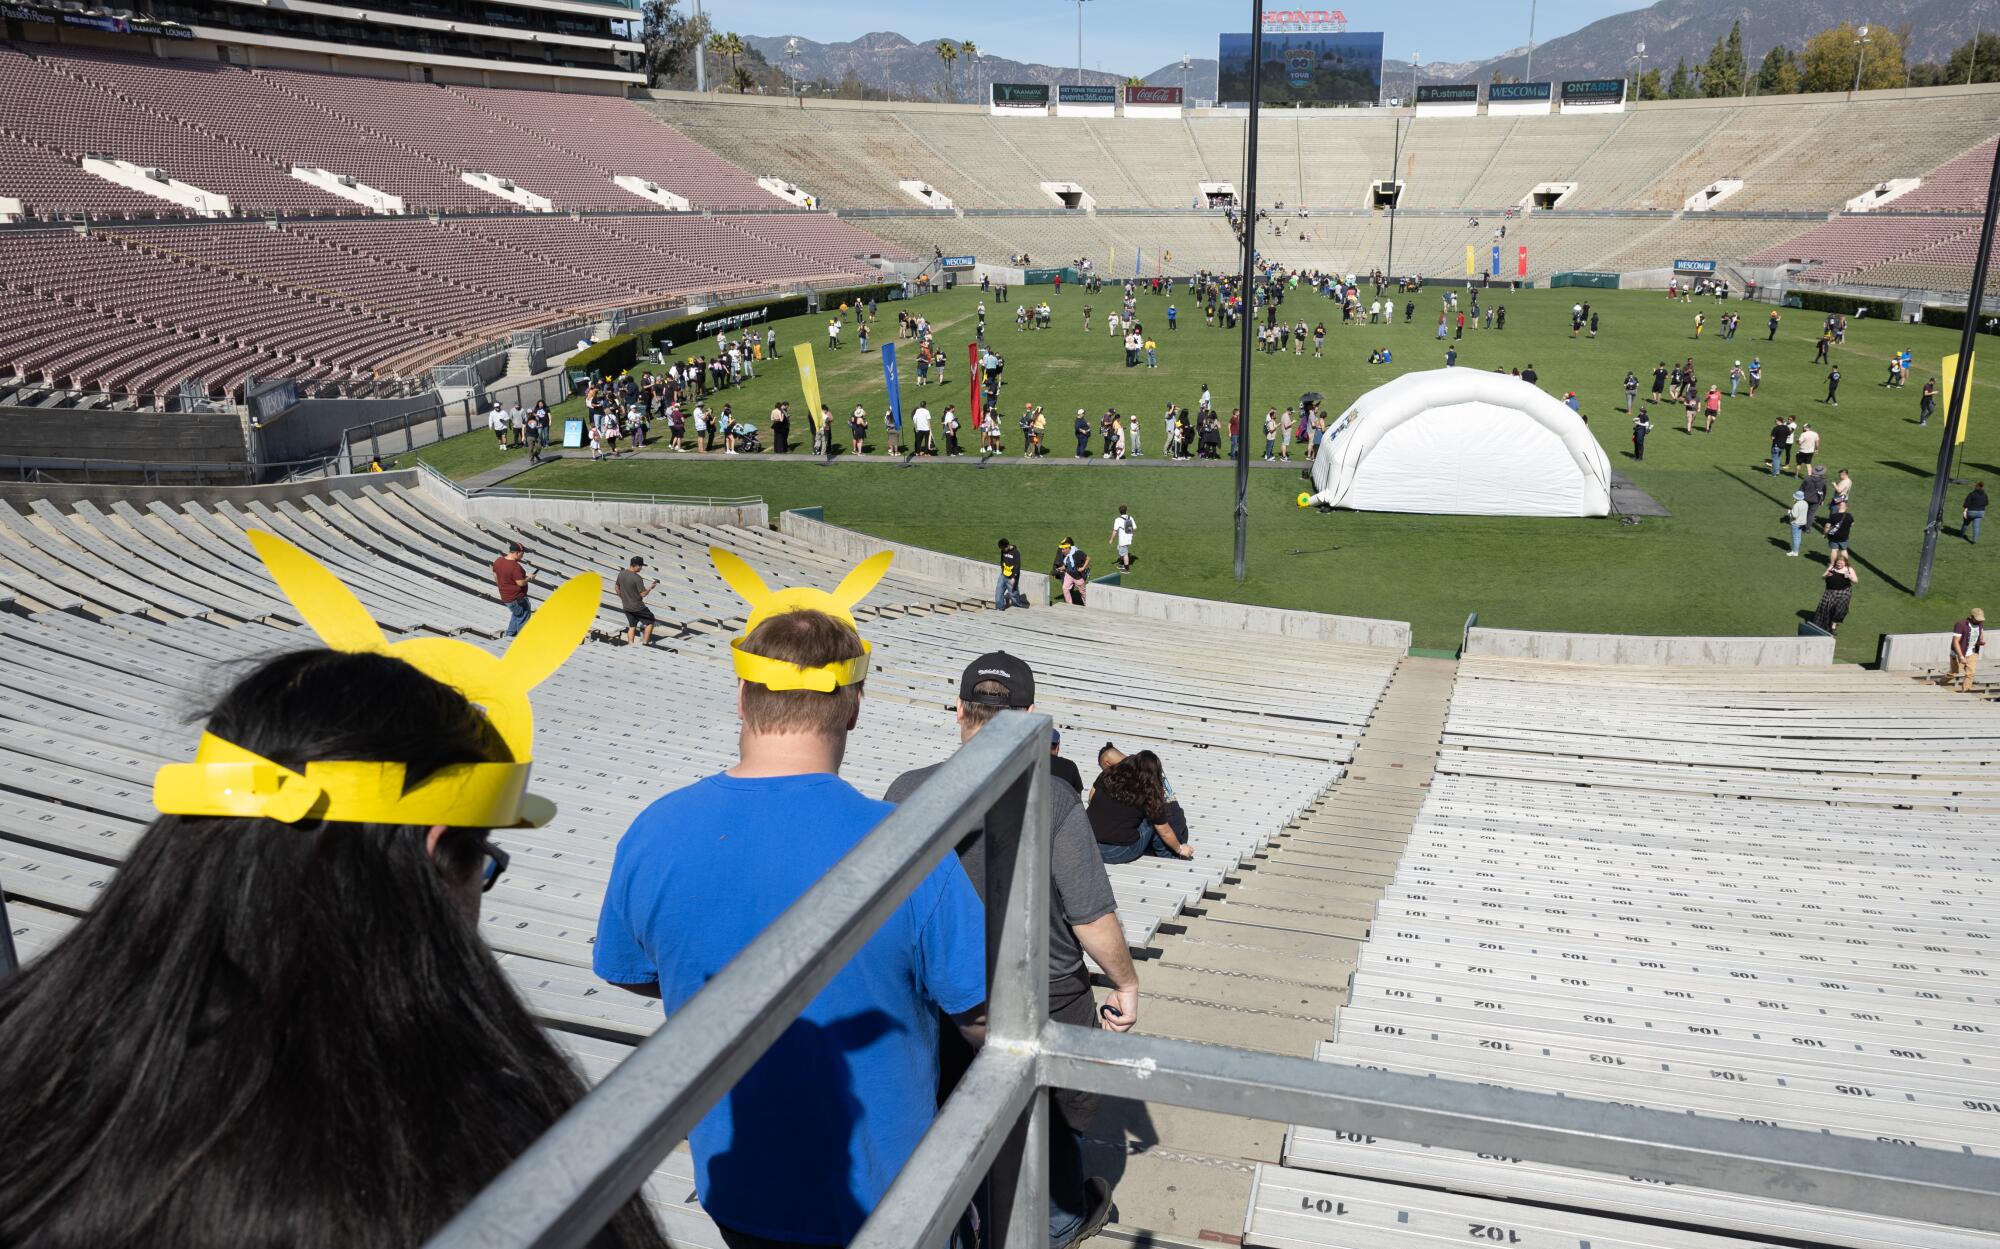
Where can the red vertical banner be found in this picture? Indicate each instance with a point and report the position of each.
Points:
(973, 372)
(1523, 269)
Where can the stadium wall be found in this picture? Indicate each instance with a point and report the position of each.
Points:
(66, 496)
(549, 509)
(216, 437)
(1651, 652)
(976, 578)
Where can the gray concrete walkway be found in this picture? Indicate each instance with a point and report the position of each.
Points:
(1265, 965)
(1626, 498)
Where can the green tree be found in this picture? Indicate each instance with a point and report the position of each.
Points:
(1976, 60)
(1722, 74)
(1779, 74)
(1681, 85)
(670, 38)
(970, 51)
(741, 78)
(1649, 87)
(1832, 55)
(947, 52)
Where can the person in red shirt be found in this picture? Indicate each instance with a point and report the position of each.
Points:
(511, 577)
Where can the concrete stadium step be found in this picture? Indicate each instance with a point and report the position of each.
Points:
(1266, 965)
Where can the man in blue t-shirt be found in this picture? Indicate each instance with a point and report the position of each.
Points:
(831, 1112)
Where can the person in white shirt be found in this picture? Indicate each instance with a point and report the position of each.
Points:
(496, 420)
(920, 421)
(1122, 529)
(951, 431)
(701, 438)
(833, 334)
(517, 420)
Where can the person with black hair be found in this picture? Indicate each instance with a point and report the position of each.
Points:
(1132, 811)
(1007, 590)
(279, 1024)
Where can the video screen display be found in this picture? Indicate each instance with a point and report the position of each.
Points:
(1343, 68)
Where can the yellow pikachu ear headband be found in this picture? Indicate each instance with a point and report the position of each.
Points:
(765, 602)
(226, 780)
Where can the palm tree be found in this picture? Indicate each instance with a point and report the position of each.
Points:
(967, 48)
(947, 52)
(734, 47)
(718, 46)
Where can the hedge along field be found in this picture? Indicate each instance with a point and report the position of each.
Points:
(1717, 565)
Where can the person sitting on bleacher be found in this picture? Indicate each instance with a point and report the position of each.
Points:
(1083, 917)
(279, 1024)
(808, 1141)
(1132, 809)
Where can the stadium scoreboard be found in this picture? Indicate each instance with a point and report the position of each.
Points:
(1303, 66)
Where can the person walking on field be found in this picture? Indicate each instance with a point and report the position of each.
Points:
(1713, 405)
(1631, 389)
(1968, 638)
(1972, 513)
(1837, 594)
(1833, 387)
(1808, 447)
(1123, 527)
(1640, 428)
(1927, 402)
(1797, 517)
(1780, 434)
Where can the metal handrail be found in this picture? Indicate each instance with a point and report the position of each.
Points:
(564, 1188)
(571, 1180)
(616, 496)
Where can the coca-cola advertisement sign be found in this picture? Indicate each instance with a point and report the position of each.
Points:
(1152, 95)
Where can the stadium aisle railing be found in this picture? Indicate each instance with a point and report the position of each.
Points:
(558, 1194)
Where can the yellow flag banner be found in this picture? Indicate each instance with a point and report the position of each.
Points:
(1469, 264)
(1947, 370)
(808, 381)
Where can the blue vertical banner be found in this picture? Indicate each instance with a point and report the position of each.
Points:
(1138, 256)
(1496, 260)
(889, 379)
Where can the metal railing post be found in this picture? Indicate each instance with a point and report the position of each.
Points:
(10, 962)
(578, 1173)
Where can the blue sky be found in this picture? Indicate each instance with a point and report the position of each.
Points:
(1137, 36)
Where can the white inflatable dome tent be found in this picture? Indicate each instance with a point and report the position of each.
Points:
(1465, 443)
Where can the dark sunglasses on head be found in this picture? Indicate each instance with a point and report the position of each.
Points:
(494, 867)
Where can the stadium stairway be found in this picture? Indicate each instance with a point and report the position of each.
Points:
(1702, 890)
(1263, 964)
(124, 613)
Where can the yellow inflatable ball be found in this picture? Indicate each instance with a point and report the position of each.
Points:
(1305, 500)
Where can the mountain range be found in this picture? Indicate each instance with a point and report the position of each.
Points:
(914, 71)
(1672, 30)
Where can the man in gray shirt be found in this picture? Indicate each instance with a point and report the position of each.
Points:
(1083, 918)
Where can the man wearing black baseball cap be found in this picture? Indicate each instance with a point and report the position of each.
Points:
(1082, 919)
(632, 592)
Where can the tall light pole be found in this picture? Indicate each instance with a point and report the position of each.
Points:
(700, 53)
(792, 52)
(1528, 74)
(1638, 62)
(1248, 293)
(1187, 63)
(1079, 43)
(1954, 409)
(1860, 58)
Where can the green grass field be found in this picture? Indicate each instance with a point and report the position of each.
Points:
(1716, 566)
